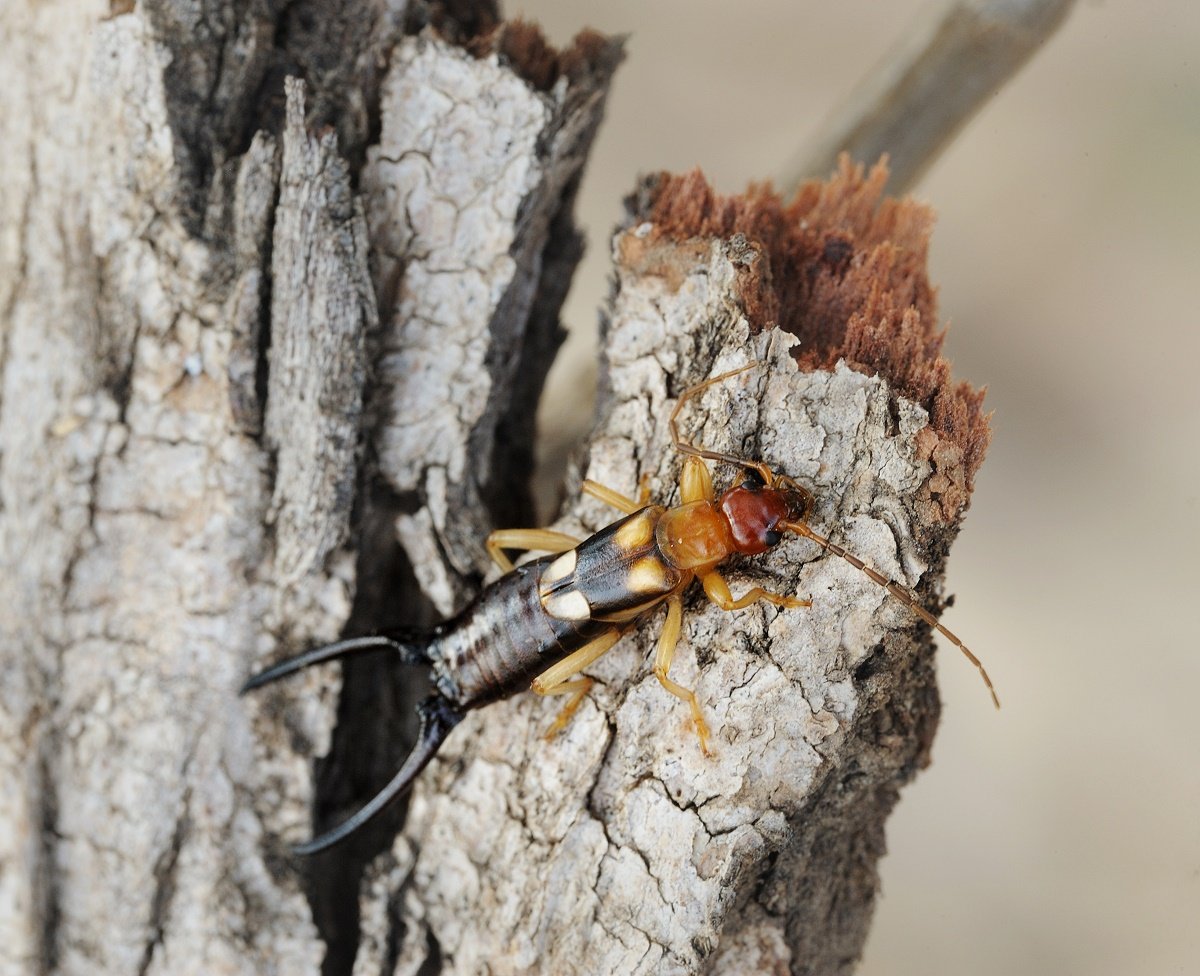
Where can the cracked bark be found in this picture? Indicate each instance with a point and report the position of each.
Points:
(189, 313)
(223, 293)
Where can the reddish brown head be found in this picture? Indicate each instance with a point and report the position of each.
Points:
(759, 511)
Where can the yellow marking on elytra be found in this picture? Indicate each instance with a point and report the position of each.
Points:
(560, 569)
(571, 605)
(635, 533)
(647, 575)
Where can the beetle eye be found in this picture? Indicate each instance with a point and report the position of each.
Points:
(752, 479)
(772, 537)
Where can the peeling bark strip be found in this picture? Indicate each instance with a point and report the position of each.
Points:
(151, 544)
(322, 305)
(472, 170)
(618, 847)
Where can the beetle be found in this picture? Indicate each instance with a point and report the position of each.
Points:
(542, 623)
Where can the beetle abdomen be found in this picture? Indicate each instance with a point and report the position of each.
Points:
(545, 609)
(504, 639)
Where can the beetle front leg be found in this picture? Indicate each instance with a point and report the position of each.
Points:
(718, 591)
(621, 503)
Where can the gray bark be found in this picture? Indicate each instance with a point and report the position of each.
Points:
(269, 354)
(188, 309)
(619, 847)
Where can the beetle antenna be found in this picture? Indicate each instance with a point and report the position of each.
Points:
(901, 593)
(687, 447)
(438, 717)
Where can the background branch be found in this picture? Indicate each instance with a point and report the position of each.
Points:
(947, 67)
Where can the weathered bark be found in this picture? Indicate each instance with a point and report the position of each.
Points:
(618, 847)
(188, 307)
(222, 294)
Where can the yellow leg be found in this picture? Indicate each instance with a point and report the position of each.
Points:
(718, 591)
(544, 540)
(559, 679)
(667, 642)
(695, 483)
(618, 501)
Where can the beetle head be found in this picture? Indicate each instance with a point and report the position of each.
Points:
(761, 507)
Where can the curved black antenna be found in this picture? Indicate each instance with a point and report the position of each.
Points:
(411, 652)
(438, 717)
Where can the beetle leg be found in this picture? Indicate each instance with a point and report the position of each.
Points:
(618, 501)
(543, 540)
(667, 641)
(559, 679)
(718, 591)
(695, 483)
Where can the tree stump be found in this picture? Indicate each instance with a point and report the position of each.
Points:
(618, 847)
(270, 353)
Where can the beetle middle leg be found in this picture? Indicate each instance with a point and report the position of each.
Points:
(667, 642)
(543, 540)
(559, 679)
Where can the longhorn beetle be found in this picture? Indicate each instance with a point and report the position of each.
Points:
(543, 622)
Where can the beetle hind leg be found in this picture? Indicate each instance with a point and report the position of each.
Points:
(577, 688)
(560, 678)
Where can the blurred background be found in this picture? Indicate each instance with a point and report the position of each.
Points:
(1061, 835)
